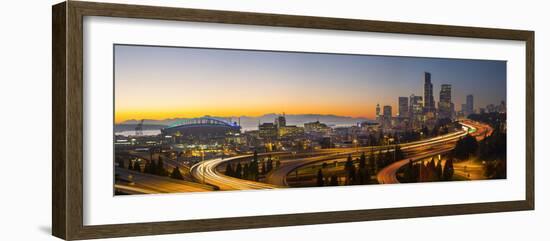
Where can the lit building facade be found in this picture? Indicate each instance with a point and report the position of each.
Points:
(468, 108)
(403, 107)
(290, 131)
(280, 121)
(429, 105)
(416, 116)
(268, 131)
(387, 116)
(316, 127)
(445, 106)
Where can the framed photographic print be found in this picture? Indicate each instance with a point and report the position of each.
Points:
(213, 120)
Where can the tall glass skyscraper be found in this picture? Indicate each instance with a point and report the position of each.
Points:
(445, 109)
(429, 105)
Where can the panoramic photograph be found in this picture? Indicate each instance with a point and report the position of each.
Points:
(203, 119)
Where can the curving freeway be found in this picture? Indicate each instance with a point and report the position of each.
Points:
(388, 175)
(142, 183)
(207, 171)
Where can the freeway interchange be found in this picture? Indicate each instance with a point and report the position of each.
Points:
(206, 175)
(207, 172)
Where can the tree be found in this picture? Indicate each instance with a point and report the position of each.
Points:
(380, 163)
(351, 175)
(150, 167)
(119, 162)
(253, 170)
(465, 147)
(238, 170)
(388, 157)
(255, 157)
(349, 168)
(176, 174)
(399, 155)
(348, 161)
(269, 164)
(160, 167)
(495, 169)
(409, 172)
(448, 170)
(264, 171)
(363, 174)
(137, 168)
(320, 178)
(246, 171)
(229, 170)
(363, 161)
(425, 131)
(372, 162)
(333, 181)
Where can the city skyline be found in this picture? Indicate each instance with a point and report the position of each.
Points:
(228, 83)
(333, 120)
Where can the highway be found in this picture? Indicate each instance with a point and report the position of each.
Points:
(207, 171)
(388, 175)
(279, 176)
(142, 183)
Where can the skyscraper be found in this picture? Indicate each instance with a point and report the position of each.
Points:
(403, 107)
(415, 110)
(280, 121)
(429, 105)
(469, 105)
(378, 113)
(387, 116)
(445, 104)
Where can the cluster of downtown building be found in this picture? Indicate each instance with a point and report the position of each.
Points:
(415, 111)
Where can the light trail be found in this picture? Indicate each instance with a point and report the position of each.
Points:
(142, 183)
(388, 175)
(207, 170)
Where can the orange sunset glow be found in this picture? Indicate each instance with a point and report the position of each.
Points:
(163, 83)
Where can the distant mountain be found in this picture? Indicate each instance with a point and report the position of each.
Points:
(251, 122)
(132, 127)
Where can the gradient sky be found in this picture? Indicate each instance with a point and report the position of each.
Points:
(168, 82)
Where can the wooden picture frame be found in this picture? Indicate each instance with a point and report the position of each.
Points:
(67, 152)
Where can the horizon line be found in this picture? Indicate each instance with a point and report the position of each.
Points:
(250, 116)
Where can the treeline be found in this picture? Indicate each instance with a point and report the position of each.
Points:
(154, 167)
(253, 169)
(430, 171)
(491, 150)
(466, 147)
(494, 119)
(358, 171)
